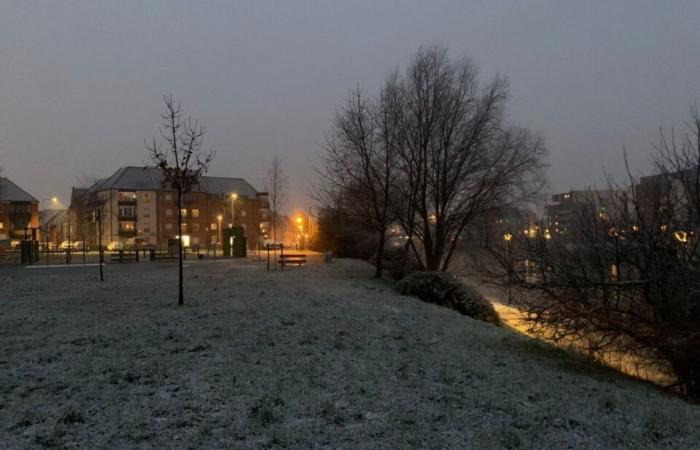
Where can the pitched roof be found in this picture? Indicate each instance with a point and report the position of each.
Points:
(224, 186)
(10, 192)
(134, 178)
(151, 179)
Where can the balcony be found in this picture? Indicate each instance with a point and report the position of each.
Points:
(123, 232)
(130, 217)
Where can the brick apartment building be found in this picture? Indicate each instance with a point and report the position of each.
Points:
(19, 214)
(137, 209)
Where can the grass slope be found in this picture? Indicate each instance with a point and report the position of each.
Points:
(311, 357)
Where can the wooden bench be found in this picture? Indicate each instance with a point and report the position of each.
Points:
(156, 256)
(292, 258)
(124, 257)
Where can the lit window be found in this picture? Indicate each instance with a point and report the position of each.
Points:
(146, 198)
(214, 227)
(183, 227)
(2, 226)
(195, 213)
(168, 212)
(127, 196)
(168, 197)
(243, 213)
(183, 212)
(195, 227)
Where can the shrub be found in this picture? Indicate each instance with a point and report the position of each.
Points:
(446, 290)
(397, 262)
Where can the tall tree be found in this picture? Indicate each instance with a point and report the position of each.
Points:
(461, 158)
(277, 186)
(181, 157)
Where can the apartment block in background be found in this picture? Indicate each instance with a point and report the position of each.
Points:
(138, 209)
(19, 214)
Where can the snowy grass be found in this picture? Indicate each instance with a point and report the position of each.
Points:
(311, 357)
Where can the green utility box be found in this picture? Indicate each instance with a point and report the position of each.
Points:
(234, 242)
(30, 252)
(173, 246)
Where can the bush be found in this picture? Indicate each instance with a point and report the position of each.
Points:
(397, 262)
(444, 289)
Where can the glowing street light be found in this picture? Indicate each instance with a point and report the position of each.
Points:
(219, 218)
(53, 200)
(234, 198)
(681, 236)
(507, 237)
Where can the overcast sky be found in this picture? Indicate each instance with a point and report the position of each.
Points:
(81, 82)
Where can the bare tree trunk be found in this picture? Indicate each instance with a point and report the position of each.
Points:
(181, 297)
(380, 254)
(99, 243)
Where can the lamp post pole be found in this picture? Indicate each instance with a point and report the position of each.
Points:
(221, 233)
(234, 212)
(46, 225)
(507, 238)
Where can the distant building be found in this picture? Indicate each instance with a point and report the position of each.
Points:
(54, 223)
(501, 223)
(659, 195)
(563, 215)
(19, 214)
(138, 209)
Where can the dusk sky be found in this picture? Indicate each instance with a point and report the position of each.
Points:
(81, 83)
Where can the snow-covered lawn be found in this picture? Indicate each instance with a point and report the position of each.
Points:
(311, 357)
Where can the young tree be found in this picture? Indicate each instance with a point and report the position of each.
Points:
(277, 185)
(182, 160)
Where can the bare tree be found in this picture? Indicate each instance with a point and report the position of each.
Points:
(359, 161)
(277, 185)
(628, 280)
(182, 160)
(460, 159)
(432, 152)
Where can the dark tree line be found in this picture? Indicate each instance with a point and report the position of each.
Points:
(627, 280)
(430, 153)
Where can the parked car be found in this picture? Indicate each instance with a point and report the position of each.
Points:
(76, 246)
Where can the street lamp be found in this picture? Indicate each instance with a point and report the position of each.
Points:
(507, 237)
(234, 198)
(46, 227)
(219, 218)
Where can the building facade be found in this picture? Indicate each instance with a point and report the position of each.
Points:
(136, 209)
(564, 214)
(19, 214)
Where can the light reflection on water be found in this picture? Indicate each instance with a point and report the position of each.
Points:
(628, 364)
